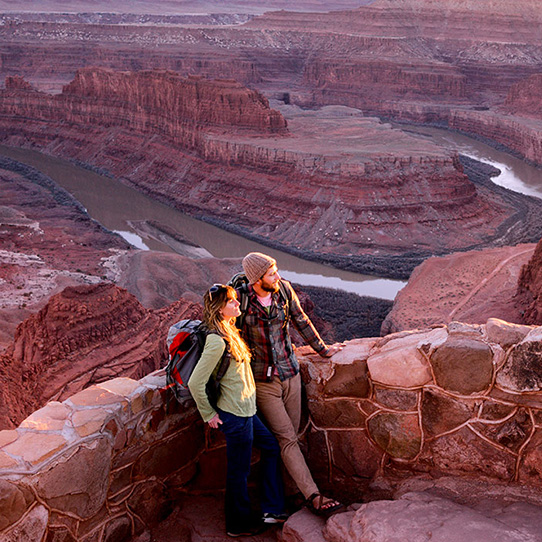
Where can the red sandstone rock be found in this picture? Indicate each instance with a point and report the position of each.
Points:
(469, 287)
(17, 83)
(411, 51)
(424, 516)
(47, 243)
(525, 97)
(84, 335)
(529, 293)
(414, 199)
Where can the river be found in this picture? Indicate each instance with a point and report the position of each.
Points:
(127, 212)
(124, 210)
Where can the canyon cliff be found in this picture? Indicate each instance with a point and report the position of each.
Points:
(320, 184)
(84, 335)
(529, 291)
(525, 97)
(391, 59)
(48, 242)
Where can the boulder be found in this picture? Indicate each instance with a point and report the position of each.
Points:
(463, 365)
(423, 517)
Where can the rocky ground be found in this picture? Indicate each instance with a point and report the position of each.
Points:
(422, 510)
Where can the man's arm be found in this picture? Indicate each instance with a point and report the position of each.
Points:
(305, 327)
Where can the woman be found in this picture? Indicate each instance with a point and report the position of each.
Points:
(235, 415)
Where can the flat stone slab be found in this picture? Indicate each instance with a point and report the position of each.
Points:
(303, 525)
(120, 386)
(422, 517)
(51, 417)
(35, 447)
(400, 363)
(86, 422)
(95, 396)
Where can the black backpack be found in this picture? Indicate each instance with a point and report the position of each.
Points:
(185, 342)
(239, 282)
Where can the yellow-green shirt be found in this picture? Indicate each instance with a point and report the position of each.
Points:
(237, 387)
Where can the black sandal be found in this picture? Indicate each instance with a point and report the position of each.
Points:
(325, 506)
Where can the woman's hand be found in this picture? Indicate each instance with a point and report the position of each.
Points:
(215, 421)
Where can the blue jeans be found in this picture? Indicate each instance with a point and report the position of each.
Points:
(241, 434)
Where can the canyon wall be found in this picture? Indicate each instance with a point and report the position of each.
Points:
(529, 288)
(520, 135)
(89, 334)
(410, 60)
(311, 188)
(450, 51)
(525, 97)
(459, 400)
(155, 102)
(84, 335)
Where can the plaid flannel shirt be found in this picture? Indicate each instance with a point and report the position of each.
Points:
(268, 337)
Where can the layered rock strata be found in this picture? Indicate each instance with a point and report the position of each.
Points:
(451, 49)
(387, 210)
(525, 97)
(396, 57)
(522, 136)
(408, 60)
(458, 401)
(84, 335)
(529, 290)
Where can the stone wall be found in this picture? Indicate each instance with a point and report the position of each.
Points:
(462, 400)
(108, 462)
(101, 466)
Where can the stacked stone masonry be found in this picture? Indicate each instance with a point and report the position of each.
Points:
(110, 461)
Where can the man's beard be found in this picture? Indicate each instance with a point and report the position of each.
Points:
(268, 287)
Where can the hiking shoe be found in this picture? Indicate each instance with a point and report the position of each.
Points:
(269, 517)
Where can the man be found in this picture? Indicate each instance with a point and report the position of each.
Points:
(272, 305)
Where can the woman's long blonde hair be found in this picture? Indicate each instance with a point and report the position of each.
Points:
(214, 300)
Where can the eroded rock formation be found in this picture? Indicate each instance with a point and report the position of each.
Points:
(94, 333)
(410, 60)
(529, 291)
(525, 97)
(84, 335)
(468, 286)
(323, 189)
(48, 242)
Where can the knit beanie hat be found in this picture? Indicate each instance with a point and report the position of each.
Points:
(255, 265)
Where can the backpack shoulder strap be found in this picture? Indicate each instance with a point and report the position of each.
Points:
(286, 295)
(242, 295)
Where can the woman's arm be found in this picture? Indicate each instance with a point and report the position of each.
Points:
(210, 358)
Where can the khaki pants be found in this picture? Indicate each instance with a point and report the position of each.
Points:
(280, 404)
